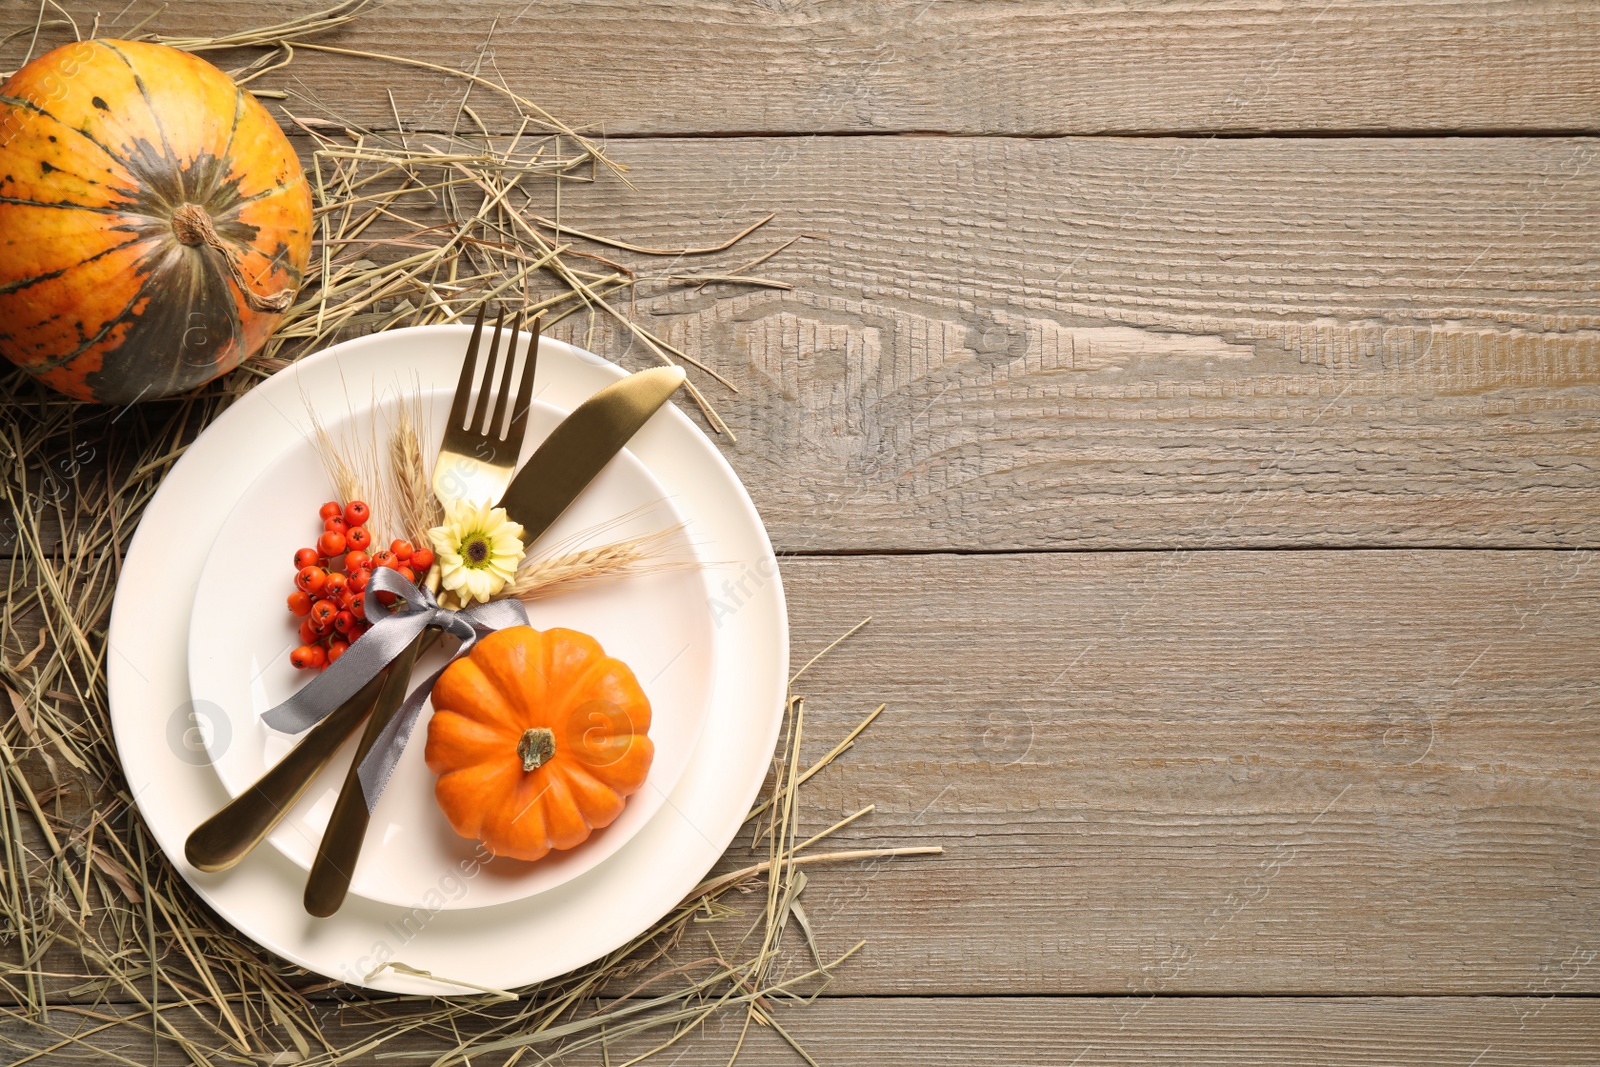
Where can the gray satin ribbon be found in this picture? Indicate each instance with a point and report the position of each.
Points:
(391, 634)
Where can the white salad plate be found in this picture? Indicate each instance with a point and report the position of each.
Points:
(468, 925)
(658, 624)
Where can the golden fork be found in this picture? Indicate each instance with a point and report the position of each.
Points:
(476, 460)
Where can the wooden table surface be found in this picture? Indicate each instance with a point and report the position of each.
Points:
(1204, 401)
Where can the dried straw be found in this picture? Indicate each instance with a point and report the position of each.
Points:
(105, 953)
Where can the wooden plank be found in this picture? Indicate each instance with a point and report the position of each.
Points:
(1167, 343)
(840, 1031)
(1211, 773)
(959, 1031)
(1013, 344)
(1219, 773)
(958, 66)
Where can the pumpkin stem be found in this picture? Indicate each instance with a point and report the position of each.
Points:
(538, 744)
(192, 225)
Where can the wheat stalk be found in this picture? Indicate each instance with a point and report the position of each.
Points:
(627, 558)
(415, 508)
(342, 472)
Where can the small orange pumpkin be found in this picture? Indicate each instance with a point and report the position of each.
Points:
(154, 221)
(537, 737)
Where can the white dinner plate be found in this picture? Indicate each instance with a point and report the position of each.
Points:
(658, 624)
(156, 722)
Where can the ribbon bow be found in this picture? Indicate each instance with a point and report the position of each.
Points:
(391, 634)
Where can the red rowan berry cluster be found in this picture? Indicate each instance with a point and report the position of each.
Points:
(330, 603)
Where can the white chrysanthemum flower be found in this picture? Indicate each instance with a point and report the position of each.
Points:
(478, 550)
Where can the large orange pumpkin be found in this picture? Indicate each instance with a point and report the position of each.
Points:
(154, 221)
(537, 737)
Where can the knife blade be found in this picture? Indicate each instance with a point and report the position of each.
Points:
(563, 465)
(580, 447)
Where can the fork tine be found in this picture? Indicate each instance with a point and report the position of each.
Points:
(482, 409)
(503, 399)
(519, 414)
(458, 407)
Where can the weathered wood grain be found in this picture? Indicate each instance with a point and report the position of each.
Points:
(1168, 343)
(1211, 772)
(1015, 344)
(1215, 773)
(1089, 1032)
(959, 66)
